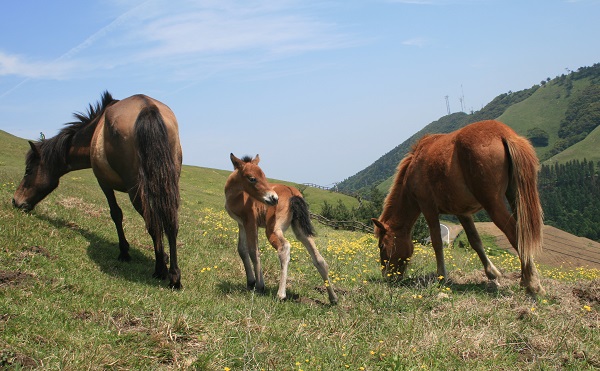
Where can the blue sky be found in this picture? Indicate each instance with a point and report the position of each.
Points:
(320, 89)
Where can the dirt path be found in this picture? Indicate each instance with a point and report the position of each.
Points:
(560, 248)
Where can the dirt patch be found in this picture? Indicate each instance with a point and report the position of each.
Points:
(13, 278)
(588, 292)
(10, 359)
(79, 204)
(35, 251)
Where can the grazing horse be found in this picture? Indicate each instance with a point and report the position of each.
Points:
(252, 202)
(477, 167)
(132, 145)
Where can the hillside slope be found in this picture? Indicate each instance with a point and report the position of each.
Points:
(541, 106)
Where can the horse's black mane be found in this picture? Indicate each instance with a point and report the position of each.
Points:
(247, 158)
(55, 149)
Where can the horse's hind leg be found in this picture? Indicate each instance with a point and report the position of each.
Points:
(174, 271)
(491, 271)
(117, 216)
(318, 262)
(161, 258)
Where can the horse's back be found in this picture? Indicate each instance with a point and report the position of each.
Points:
(113, 148)
(457, 170)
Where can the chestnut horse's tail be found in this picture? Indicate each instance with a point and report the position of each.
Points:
(158, 176)
(528, 211)
(301, 216)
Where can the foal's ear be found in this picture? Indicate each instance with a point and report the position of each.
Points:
(256, 160)
(34, 148)
(379, 224)
(237, 163)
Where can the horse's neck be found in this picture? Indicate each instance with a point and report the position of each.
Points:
(400, 211)
(78, 156)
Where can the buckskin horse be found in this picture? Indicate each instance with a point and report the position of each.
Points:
(133, 146)
(477, 167)
(252, 202)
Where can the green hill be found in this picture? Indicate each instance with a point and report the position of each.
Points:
(544, 106)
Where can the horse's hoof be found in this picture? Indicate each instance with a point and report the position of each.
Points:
(175, 285)
(124, 257)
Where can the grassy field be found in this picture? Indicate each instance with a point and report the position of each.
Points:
(67, 303)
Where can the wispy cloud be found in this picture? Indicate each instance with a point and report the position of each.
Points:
(416, 41)
(210, 34)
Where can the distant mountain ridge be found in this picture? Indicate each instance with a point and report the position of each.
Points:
(546, 112)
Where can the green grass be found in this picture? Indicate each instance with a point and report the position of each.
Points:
(67, 303)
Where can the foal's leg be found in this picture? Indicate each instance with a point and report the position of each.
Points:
(491, 271)
(318, 262)
(278, 241)
(117, 216)
(251, 239)
(245, 256)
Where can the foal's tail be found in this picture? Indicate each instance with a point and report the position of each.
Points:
(301, 216)
(158, 174)
(528, 211)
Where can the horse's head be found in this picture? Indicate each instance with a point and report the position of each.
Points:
(39, 180)
(253, 180)
(395, 250)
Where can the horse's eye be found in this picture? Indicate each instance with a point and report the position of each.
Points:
(252, 179)
(380, 246)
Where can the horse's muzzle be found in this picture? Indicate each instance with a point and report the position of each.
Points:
(271, 200)
(23, 206)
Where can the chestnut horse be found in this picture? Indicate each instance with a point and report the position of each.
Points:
(252, 202)
(477, 167)
(132, 146)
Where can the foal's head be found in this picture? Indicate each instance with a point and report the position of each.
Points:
(41, 177)
(395, 250)
(253, 180)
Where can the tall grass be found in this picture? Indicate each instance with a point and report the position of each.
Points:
(67, 303)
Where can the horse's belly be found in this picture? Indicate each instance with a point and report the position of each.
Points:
(104, 172)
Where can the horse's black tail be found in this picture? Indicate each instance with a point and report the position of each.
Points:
(158, 176)
(301, 216)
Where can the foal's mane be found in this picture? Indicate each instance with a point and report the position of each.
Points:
(247, 158)
(54, 150)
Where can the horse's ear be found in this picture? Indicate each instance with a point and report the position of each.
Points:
(237, 163)
(256, 160)
(34, 148)
(379, 224)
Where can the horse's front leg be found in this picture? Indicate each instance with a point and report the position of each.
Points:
(438, 246)
(117, 216)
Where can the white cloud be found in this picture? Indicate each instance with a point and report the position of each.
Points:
(19, 65)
